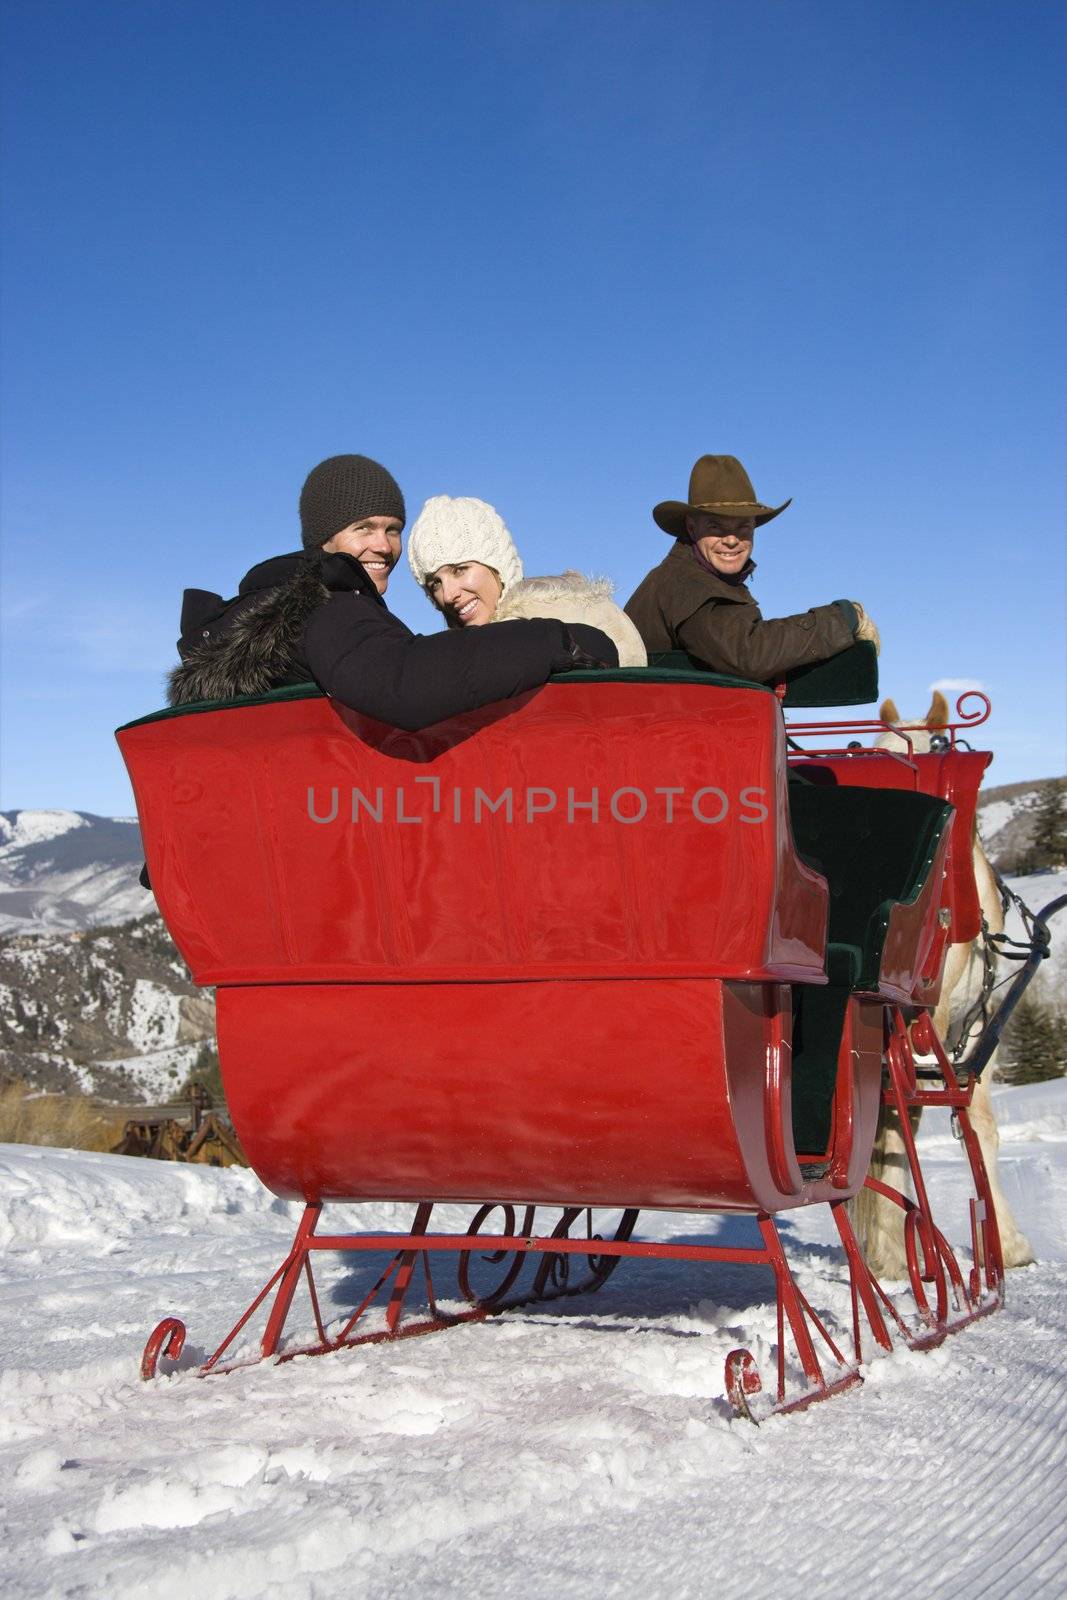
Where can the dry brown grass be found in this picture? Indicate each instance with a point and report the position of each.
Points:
(66, 1121)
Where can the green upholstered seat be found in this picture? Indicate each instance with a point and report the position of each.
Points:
(818, 1018)
(847, 679)
(876, 848)
(289, 691)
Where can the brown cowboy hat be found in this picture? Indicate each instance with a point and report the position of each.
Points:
(718, 484)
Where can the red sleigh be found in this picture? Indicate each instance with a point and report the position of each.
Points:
(585, 948)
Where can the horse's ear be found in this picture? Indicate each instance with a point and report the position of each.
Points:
(937, 716)
(887, 712)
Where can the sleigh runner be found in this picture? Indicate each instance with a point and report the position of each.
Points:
(583, 949)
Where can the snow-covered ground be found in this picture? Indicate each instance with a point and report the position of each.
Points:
(582, 1451)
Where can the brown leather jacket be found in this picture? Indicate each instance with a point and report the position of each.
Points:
(680, 605)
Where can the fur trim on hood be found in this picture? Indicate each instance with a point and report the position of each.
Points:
(256, 651)
(571, 597)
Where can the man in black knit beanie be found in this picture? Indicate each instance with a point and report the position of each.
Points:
(318, 615)
(352, 504)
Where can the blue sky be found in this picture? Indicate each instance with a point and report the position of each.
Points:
(546, 254)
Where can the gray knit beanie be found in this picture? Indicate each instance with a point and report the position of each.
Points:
(343, 490)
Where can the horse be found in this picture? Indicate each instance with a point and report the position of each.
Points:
(956, 1020)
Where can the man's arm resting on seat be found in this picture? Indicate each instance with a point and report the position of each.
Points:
(367, 659)
(735, 640)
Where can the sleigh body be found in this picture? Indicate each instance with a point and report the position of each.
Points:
(586, 948)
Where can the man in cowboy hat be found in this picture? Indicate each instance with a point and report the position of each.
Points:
(697, 600)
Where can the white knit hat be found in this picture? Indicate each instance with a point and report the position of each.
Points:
(448, 531)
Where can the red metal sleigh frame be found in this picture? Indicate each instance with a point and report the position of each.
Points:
(980, 708)
(943, 1300)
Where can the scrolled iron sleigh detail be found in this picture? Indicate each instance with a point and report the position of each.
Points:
(699, 1016)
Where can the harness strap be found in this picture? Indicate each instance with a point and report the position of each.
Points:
(1030, 952)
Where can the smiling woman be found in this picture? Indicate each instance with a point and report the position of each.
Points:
(463, 555)
(466, 591)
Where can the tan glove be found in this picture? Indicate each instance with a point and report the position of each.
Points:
(867, 629)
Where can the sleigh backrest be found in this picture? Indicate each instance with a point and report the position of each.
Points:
(607, 825)
(953, 775)
(884, 853)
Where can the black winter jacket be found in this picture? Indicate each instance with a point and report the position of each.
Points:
(310, 616)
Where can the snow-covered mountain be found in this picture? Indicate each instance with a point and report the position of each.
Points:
(68, 869)
(93, 994)
(1005, 821)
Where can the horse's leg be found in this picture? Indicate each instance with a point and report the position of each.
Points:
(1014, 1245)
(965, 986)
(879, 1224)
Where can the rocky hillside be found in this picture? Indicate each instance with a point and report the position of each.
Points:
(110, 1011)
(1005, 821)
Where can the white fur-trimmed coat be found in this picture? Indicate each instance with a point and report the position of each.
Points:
(571, 597)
